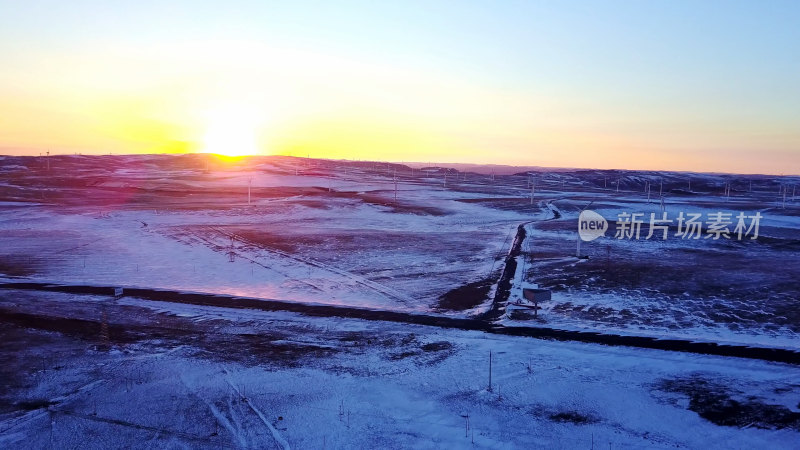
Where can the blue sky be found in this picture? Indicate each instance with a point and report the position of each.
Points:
(669, 78)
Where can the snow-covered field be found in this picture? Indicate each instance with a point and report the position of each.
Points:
(318, 238)
(719, 290)
(90, 371)
(174, 376)
(400, 238)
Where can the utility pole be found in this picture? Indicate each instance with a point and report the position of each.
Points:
(48, 161)
(578, 252)
(784, 197)
(490, 371)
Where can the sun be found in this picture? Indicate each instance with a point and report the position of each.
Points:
(232, 131)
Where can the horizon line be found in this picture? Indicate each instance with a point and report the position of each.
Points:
(425, 163)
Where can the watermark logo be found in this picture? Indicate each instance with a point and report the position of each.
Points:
(635, 226)
(591, 225)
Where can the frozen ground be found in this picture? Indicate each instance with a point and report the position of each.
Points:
(416, 239)
(724, 291)
(330, 235)
(93, 372)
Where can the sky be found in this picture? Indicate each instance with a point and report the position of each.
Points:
(662, 85)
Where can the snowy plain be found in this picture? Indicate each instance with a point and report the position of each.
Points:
(95, 372)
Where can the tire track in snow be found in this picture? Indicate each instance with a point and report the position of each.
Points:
(275, 434)
(215, 246)
(221, 419)
(381, 289)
